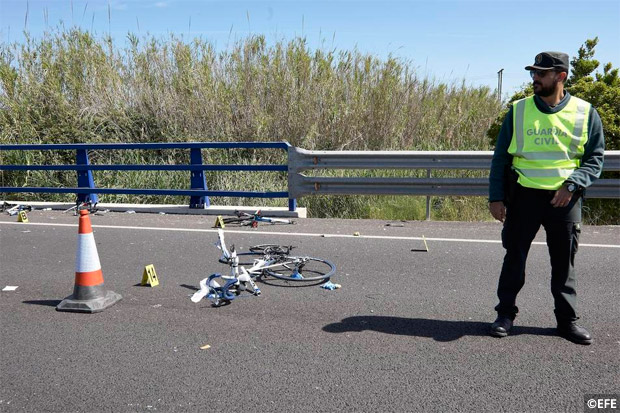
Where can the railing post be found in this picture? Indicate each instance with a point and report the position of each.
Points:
(85, 178)
(428, 199)
(292, 204)
(198, 180)
(291, 171)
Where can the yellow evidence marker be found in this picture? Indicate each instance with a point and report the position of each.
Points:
(22, 217)
(149, 276)
(219, 222)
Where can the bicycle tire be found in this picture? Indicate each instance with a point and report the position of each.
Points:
(311, 270)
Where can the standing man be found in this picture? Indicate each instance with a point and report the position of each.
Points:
(549, 149)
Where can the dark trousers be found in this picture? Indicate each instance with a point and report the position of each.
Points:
(530, 209)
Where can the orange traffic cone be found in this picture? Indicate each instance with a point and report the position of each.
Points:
(89, 295)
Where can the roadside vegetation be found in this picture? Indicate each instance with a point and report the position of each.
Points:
(74, 87)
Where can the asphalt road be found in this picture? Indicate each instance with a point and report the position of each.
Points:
(406, 332)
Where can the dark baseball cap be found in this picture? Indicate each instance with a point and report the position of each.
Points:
(550, 61)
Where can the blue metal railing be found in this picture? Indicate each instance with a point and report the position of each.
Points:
(87, 191)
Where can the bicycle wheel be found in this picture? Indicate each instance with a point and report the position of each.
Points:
(302, 269)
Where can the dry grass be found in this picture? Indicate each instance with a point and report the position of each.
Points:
(71, 87)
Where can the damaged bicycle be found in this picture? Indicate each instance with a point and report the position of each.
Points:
(269, 260)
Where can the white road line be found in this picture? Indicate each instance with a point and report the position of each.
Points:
(298, 234)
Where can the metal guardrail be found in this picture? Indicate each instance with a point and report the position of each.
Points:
(300, 160)
(86, 189)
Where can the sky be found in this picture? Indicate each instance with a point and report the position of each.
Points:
(447, 40)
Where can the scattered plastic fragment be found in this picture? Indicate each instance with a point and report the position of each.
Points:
(205, 347)
(130, 212)
(330, 286)
(204, 291)
(297, 276)
(46, 209)
(10, 288)
(356, 234)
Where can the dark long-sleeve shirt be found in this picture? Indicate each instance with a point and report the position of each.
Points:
(591, 163)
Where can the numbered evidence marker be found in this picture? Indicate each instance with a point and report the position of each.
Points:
(149, 276)
(219, 222)
(22, 217)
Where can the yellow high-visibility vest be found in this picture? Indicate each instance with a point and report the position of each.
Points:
(547, 148)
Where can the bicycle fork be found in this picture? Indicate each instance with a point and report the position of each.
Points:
(244, 278)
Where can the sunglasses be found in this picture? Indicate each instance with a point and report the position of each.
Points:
(539, 73)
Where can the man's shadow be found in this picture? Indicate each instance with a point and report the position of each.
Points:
(439, 330)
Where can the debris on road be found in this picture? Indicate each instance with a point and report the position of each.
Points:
(419, 249)
(330, 286)
(10, 288)
(14, 209)
(205, 347)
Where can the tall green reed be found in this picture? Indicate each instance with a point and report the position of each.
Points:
(70, 86)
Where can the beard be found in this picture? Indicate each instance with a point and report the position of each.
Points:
(543, 91)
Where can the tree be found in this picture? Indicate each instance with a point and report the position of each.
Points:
(602, 90)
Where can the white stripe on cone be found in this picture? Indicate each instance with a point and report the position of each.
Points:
(87, 258)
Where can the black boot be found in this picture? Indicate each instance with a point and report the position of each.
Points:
(501, 326)
(571, 331)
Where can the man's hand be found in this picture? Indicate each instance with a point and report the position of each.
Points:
(498, 210)
(561, 198)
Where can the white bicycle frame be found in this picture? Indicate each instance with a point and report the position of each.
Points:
(258, 266)
(237, 272)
